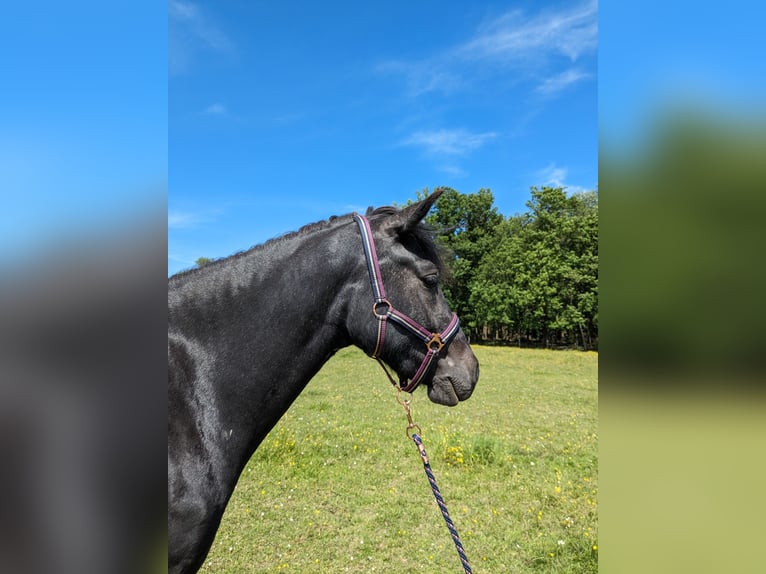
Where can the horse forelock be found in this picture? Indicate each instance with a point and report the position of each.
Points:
(423, 234)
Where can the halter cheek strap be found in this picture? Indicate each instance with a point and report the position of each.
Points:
(383, 310)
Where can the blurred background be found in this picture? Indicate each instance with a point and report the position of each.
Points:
(83, 247)
(682, 144)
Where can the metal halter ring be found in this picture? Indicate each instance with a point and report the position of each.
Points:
(382, 303)
(435, 343)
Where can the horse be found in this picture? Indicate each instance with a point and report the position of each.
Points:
(247, 333)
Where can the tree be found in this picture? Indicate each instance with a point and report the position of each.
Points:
(540, 280)
(532, 277)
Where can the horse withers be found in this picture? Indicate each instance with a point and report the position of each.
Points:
(247, 333)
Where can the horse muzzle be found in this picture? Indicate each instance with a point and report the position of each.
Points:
(455, 376)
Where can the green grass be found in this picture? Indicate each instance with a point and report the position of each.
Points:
(338, 487)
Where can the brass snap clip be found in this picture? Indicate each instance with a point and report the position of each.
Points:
(412, 427)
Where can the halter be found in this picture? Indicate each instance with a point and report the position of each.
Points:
(383, 310)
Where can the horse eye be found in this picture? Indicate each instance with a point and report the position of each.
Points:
(431, 280)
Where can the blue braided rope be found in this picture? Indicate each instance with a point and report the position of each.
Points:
(442, 506)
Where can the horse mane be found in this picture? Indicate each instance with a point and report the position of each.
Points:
(422, 234)
(306, 229)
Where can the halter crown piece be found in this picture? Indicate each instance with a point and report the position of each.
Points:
(383, 310)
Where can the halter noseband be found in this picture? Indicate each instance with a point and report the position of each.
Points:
(383, 310)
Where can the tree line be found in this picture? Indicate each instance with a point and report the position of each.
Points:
(530, 279)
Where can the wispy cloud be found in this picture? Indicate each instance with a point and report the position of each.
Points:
(423, 76)
(529, 44)
(515, 36)
(448, 142)
(560, 82)
(182, 220)
(453, 170)
(190, 30)
(198, 25)
(553, 175)
(216, 110)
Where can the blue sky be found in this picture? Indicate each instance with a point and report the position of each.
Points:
(269, 115)
(284, 113)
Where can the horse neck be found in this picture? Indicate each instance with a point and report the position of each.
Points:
(264, 323)
(274, 286)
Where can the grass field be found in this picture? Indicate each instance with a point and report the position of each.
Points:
(338, 487)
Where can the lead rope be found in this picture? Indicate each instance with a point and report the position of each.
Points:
(415, 437)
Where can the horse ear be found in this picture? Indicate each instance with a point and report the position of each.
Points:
(409, 217)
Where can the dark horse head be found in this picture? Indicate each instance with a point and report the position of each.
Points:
(410, 325)
(247, 333)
